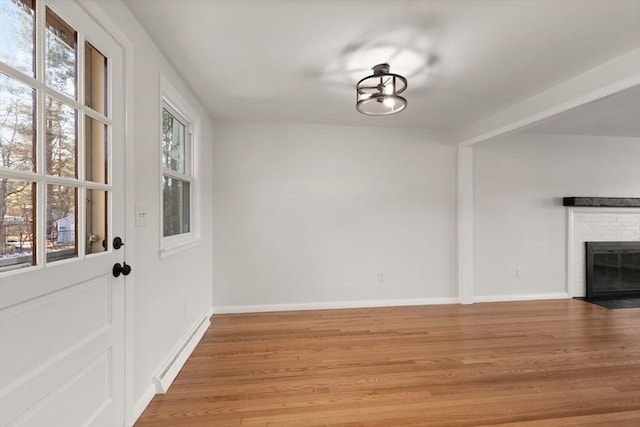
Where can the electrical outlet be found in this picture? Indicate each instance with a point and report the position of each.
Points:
(380, 277)
(518, 273)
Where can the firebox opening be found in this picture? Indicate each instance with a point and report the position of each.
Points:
(613, 273)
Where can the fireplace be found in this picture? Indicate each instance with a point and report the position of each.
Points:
(613, 269)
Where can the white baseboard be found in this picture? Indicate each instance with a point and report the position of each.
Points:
(228, 309)
(523, 297)
(142, 403)
(179, 356)
(170, 369)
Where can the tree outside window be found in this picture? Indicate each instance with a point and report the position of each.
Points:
(176, 173)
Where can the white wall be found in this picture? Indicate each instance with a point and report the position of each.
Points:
(172, 293)
(308, 215)
(520, 223)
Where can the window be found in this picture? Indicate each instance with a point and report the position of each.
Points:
(176, 181)
(55, 123)
(178, 155)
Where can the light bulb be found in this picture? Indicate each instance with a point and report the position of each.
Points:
(389, 103)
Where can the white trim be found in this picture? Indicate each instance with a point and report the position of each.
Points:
(179, 356)
(465, 235)
(603, 209)
(228, 309)
(130, 226)
(523, 297)
(93, 9)
(141, 404)
(524, 123)
(171, 97)
(179, 247)
(606, 79)
(570, 254)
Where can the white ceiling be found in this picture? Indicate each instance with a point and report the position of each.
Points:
(298, 61)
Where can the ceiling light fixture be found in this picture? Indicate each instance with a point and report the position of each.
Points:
(379, 93)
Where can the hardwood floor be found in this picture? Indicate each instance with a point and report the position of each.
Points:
(534, 363)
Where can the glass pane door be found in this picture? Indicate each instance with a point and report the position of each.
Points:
(55, 127)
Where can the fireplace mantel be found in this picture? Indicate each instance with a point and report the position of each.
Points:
(609, 202)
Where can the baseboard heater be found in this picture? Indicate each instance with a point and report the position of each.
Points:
(179, 357)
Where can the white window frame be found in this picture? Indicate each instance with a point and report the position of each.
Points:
(180, 107)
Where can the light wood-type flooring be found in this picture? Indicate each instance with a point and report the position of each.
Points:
(533, 363)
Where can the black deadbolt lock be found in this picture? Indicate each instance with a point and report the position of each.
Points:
(117, 243)
(123, 269)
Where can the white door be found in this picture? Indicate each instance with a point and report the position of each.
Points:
(62, 205)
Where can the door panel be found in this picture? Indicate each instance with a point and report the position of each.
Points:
(54, 377)
(62, 322)
(89, 385)
(89, 301)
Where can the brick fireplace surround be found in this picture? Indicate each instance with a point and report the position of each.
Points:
(595, 224)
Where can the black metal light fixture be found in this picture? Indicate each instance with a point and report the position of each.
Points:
(379, 93)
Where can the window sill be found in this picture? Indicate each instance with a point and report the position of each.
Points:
(175, 248)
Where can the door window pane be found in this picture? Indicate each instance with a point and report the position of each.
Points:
(176, 206)
(61, 139)
(174, 133)
(17, 109)
(62, 204)
(17, 35)
(17, 226)
(95, 79)
(40, 145)
(60, 55)
(96, 221)
(96, 150)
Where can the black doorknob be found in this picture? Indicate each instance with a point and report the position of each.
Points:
(117, 243)
(123, 269)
